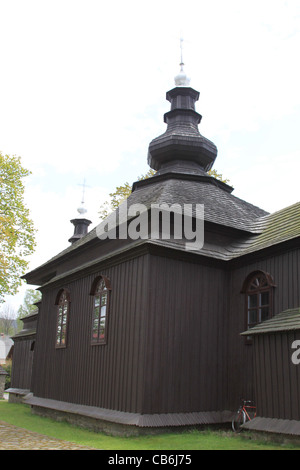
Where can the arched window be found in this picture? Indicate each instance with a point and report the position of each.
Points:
(63, 308)
(258, 289)
(100, 292)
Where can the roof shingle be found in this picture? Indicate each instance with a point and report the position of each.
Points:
(287, 320)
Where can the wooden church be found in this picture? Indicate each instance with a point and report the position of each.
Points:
(136, 333)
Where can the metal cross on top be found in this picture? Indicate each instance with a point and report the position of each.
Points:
(181, 53)
(84, 185)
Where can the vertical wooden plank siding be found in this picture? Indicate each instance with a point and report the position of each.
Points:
(173, 343)
(285, 270)
(22, 364)
(278, 382)
(89, 374)
(185, 341)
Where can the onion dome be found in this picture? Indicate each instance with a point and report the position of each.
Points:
(182, 139)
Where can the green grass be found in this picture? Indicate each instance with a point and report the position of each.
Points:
(20, 415)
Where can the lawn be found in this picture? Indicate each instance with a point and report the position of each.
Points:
(20, 415)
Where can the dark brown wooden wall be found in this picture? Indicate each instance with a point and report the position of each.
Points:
(285, 270)
(277, 379)
(174, 341)
(108, 376)
(186, 364)
(197, 358)
(22, 364)
(166, 341)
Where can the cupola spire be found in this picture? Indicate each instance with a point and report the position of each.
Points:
(182, 79)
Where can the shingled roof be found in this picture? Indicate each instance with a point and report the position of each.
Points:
(288, 320)
(220, 206)
(2, 371)
(259, 230)
(276, 228)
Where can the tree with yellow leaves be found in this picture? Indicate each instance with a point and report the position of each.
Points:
(17, 233)
(122, 192)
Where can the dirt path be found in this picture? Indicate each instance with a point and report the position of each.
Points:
(14, 438)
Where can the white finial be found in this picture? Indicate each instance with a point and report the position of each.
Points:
(182, 79)
(82, 210)
(181, 54)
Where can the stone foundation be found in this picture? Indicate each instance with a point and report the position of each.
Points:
(115, 422)
(17, 395)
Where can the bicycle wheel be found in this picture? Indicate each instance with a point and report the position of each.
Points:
(238, 421)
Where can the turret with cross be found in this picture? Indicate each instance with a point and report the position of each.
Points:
(80, 224)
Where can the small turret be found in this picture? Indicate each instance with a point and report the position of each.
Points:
(80, 224)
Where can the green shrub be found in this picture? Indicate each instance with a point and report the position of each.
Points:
(7, 368)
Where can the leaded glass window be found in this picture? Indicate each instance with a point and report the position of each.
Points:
(100, 311)
(258, 289)
(63, 307)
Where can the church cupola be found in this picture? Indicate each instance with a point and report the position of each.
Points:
(80, 229)
(182, 140)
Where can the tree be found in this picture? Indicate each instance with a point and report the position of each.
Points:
(31, 297)
(218, 176)
(17, 233)
(122, 192)
(7, 320)
(119, 195)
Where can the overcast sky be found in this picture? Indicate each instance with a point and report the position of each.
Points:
(82, 94)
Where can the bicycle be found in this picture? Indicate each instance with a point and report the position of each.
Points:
(246, 412)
